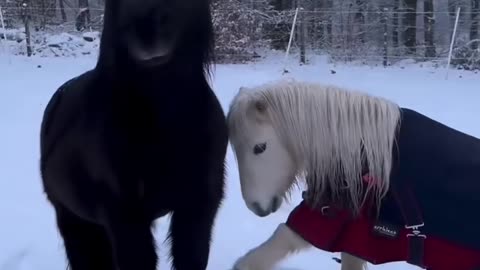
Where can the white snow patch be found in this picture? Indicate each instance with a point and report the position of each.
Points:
(29, 238)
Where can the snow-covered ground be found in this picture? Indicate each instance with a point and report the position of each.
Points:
(28, 235)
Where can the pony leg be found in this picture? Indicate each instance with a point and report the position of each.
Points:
(87, 245)
(283, 242)
(350, 262)
(133, 241)
(190, 234)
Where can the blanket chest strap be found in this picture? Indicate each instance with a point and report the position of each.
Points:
(413, 221)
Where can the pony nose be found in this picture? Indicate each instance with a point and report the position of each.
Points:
(259, 211)
(272, 207)
(276, 202)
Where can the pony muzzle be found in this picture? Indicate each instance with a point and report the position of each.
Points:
(265, 210)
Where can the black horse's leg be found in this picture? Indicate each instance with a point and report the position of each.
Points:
(87, 244)
(133, 241)
(191, 228)
(190, 233)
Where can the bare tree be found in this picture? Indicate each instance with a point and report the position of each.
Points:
(62, 10)
(83, 16)
(360, 20)
(395, 24)
(410, 24)
(429, 22)
(474, 18)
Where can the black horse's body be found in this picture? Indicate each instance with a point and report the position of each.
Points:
(133, 140)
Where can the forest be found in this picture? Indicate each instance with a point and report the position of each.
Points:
(379, 31)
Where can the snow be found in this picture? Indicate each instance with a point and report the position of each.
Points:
(50, 45)
(28, 234)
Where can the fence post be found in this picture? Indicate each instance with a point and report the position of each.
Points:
(26, 20)
(290, 40)
(452, 42)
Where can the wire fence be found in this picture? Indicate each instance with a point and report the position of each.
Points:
(292, 11)
(369, 36)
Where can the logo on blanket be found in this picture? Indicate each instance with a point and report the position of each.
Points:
(386, 230)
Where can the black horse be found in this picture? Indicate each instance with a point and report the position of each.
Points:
(139, 136)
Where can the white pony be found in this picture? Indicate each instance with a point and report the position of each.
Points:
(285, 130)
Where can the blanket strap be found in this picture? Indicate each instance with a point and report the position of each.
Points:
(413, 221)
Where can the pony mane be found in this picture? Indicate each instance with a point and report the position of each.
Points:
(332, 133)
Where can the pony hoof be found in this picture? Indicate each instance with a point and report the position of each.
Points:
(240, 264)
(245, 264)
(240, 268)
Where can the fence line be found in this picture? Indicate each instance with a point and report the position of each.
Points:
(291, 11)
(344, 39)
(380, 57)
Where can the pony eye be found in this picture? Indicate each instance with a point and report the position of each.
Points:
(259, 148)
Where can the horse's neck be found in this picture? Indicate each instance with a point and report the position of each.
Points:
(150, 82)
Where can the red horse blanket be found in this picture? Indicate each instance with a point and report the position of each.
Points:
(430, 216)
(377, 243)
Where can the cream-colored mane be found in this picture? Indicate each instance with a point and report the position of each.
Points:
(322, 127)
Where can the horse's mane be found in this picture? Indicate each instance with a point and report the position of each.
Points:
(332, 133)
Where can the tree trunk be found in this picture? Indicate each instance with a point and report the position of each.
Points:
(360, 20)
(452, 11)
(43, 14)
(316, 25)
(474, 18)
(302, 39)
(282, 4)
(83, 16)
(395, 37)
(25, 14)
(410, 24)
(385, 36)
(62, 10)
(287, 4)
(329, 15)
(276, 32)
(429, 22)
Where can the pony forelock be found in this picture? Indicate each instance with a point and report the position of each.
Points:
(332, 132)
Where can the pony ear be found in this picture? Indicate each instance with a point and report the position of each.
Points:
(260, 106)
(260, 109)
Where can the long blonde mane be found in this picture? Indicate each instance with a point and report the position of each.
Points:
(325, 127)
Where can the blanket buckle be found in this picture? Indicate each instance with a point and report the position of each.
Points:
(416, 245)
(416, 230)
